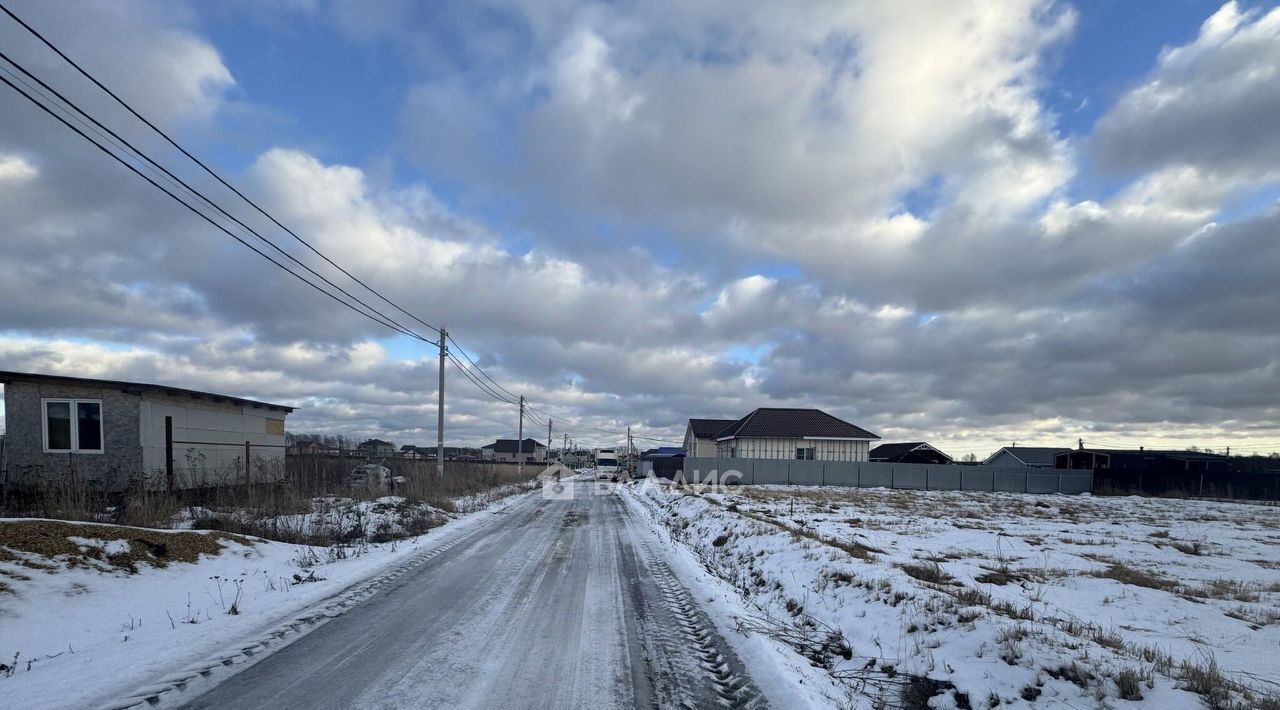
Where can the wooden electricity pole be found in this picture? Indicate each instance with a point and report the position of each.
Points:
(444, 351)
(520, 442)
(548, 457)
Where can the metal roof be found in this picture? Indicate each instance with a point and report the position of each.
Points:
(891, 450)
(1167, 453)
(708, 428)
(786, 423)
(509, 446)
(7, 377)
(663, 452)
(1030, 455)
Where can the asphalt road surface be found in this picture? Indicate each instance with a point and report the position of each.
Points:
(554, 604)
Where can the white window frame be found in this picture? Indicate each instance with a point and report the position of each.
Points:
(75, 425)
(806, 453)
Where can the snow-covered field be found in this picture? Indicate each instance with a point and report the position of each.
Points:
(1001, 600)
(90, 612)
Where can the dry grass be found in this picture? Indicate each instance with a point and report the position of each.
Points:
(928, 572)
(850, 546)
(274, 511)
(1126, 574)
(52, 539)
(1088, 525)
(1129, 684)
(1234, 589)
(1189, 548)
(1256, 618)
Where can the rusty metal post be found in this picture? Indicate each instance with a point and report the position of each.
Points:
(168, 454)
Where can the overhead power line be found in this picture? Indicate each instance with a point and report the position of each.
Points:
(124, 145)
(475, 373)
(480, 384)
(203, 166)
(188, 206)
(480, 369)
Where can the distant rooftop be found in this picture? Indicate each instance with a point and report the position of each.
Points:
(897, 449)
(708, 428)
(1031, 455)
(509, 446)
(776, 422)
(138, 387)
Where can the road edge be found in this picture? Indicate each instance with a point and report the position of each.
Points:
(201, 676)
(782, 677)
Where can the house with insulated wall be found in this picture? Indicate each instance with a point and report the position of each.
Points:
(111, 434)
(700, 436)
(785, 433)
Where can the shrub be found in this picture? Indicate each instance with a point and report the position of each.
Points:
(930, 572)
(1129, 684)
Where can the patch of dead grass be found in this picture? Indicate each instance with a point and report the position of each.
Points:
(1128, 574)
(52, 539)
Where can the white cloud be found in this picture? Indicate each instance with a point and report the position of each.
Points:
(677, 116)
(1208, 104)
(144, 50)
(14, 169)
(943, 272)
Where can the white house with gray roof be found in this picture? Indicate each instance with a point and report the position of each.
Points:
(786, 433)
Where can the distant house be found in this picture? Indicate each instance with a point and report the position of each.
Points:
(1026, 456)
(776, 433)
(578, 458)
(511, 451)
(909, 452)
(700, 436)
(1152, 460)
(662, 452)
(376, 447)
(110, 434)
(308, 448)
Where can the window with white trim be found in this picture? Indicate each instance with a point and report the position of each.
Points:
(804, 454)
(72, 425)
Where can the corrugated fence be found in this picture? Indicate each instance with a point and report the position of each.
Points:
(1004, 479)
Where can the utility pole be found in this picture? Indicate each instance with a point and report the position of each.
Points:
(520, 442)
(564, 450)
(630, 458)
(444, 350)
(548, 441)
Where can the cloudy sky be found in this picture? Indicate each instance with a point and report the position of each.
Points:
(972, 223)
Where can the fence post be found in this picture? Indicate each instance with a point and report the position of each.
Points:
(893, 480)
(168, 454)
(926, 479)
(246, 464)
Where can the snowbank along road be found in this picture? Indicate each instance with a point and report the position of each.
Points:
(558, 603)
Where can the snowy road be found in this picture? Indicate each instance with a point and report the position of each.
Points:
(555, 603)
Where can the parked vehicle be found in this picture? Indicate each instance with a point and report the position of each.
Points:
(606, 464)
(374, 476)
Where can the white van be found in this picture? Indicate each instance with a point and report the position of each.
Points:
(606, 464)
